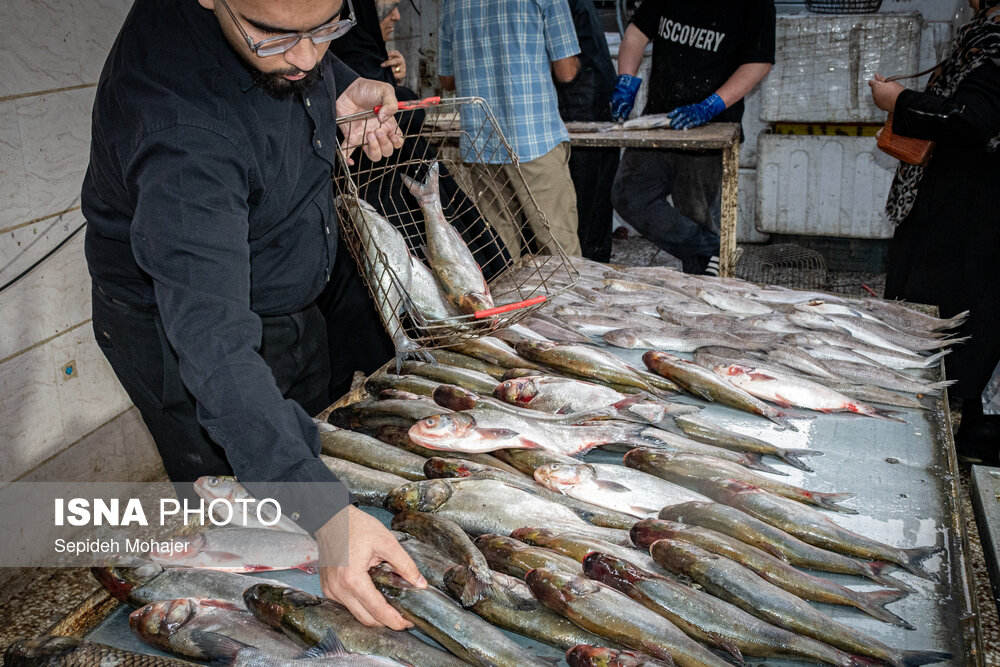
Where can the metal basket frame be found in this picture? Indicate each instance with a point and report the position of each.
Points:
(522, 285)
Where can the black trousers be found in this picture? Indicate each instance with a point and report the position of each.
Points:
(593, 173)
(312, 354)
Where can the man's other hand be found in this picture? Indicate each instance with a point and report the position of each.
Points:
(623, 97)
(377, 136)
(696, 115)
(368, 544)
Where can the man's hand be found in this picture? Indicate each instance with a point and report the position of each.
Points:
(397, 64)
(378, 136)
(696, 115)
(885, 93)
(623, 97)
(368, 544)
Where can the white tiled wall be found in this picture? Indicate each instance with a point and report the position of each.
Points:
(51, 56)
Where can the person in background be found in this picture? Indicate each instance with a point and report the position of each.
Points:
(218, 281)
(508, 53)
(585, 98)
(946, 246)
(388, 16)
(706, 58)
(364, 48)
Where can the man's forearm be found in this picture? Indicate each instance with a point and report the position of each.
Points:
(631, 49)
(743, 80)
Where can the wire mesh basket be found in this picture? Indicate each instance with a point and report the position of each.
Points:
(784, 264)
(843, 6)
(455, 170)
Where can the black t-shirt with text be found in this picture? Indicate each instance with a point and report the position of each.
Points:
(697, 46)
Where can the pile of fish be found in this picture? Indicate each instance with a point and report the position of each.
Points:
(684, 553)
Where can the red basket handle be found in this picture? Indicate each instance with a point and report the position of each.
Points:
(406, 105)
(489, 312)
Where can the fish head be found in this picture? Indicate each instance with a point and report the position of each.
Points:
(532, 348)
(423, 496)
(158, 621)
(443, 431)
(642, 457)
(497, 547)
(539, 537)
(211, 487)
(126, 574)
(50, 650)
(563, 476)
(585, 655)
(269, 603)
(732, 370)
(473, 302)
(437, 467)
(517, 391)
(387, 581)
(454, 397)
(556, 589)
(647, 531)
(676, 555)
(455, 579)
(607, 569)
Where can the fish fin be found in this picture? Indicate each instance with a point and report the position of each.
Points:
(225, 555)
(914, 559)
(498, 432)
(565, 410)
(760, 375)
(831, 501)
(793, 457)
(782, 401)
(329, 645)
(530, 444)
(755, 461)
(651, 512)
(605, 485)
(874, 602)
(475, 589)
(914, 658)
(730, 648)
(217, 645)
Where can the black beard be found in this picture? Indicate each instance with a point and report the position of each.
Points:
(275, 85)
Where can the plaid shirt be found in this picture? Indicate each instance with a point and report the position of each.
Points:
(501, 50)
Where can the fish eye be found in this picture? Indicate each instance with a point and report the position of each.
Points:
(214, 481)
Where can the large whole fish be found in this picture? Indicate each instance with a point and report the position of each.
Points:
(49, 651)
(678, 339)
(369, 452)
(526, 461)
(589, 655)
(702, 382)
(578, 546)
(399, 437)
(495, 351)
(371, 414)
(592, 363)
(386, 266)
(426, 294)
(708, 618)
(464, 634)
(446, 468)
(788, 390)
(840, 345)
(329, 651)
(458, 398)
(169, 625)
(515, 558)
(511, 606)
(703, 472)
(483, 506)
(308, 618)
(459, 360)
(614, 486)
(745, 528)
(448, 538)
(815, 528)
(241, 550)
(770, 567)
(367, 485)
(731, 581)
(705, 431)
(600, 609)
(235, 494)
(477, 381)
(450, 258)
(382, 380)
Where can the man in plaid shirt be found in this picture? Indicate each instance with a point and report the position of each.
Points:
(507, 53)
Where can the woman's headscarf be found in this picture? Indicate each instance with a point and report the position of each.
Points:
(978, 41)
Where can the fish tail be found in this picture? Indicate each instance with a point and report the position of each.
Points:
(755, 461)
(876, 571)
(782, 419)
(886, 414)
(952, 322)
(913, 658)
(874, 602)
(950, 341)
(914, 559)
(935, 388)
(831, 501)
(793, 457)
(934, 358)
(428, 189)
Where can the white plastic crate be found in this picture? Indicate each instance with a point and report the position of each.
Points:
(823, 186)
(824, 62)
(746, 218)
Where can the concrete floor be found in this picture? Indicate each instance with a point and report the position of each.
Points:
(49, 593)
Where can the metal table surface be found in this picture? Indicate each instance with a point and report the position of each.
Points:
(904, 477)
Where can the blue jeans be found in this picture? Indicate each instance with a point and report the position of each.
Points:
(688, 230)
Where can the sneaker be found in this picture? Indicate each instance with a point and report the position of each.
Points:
(713, 266)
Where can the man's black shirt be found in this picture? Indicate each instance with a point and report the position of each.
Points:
(211, 203)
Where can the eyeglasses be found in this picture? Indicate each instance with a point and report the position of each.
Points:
(274, 45)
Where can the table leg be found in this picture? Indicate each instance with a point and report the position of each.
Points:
(730, 203)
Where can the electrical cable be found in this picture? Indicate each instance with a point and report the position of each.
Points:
(43, 257)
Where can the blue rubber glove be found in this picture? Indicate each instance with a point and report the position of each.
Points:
(696, 115)
(623, 98)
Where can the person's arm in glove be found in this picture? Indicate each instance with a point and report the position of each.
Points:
(629, 58)
(743, 80)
